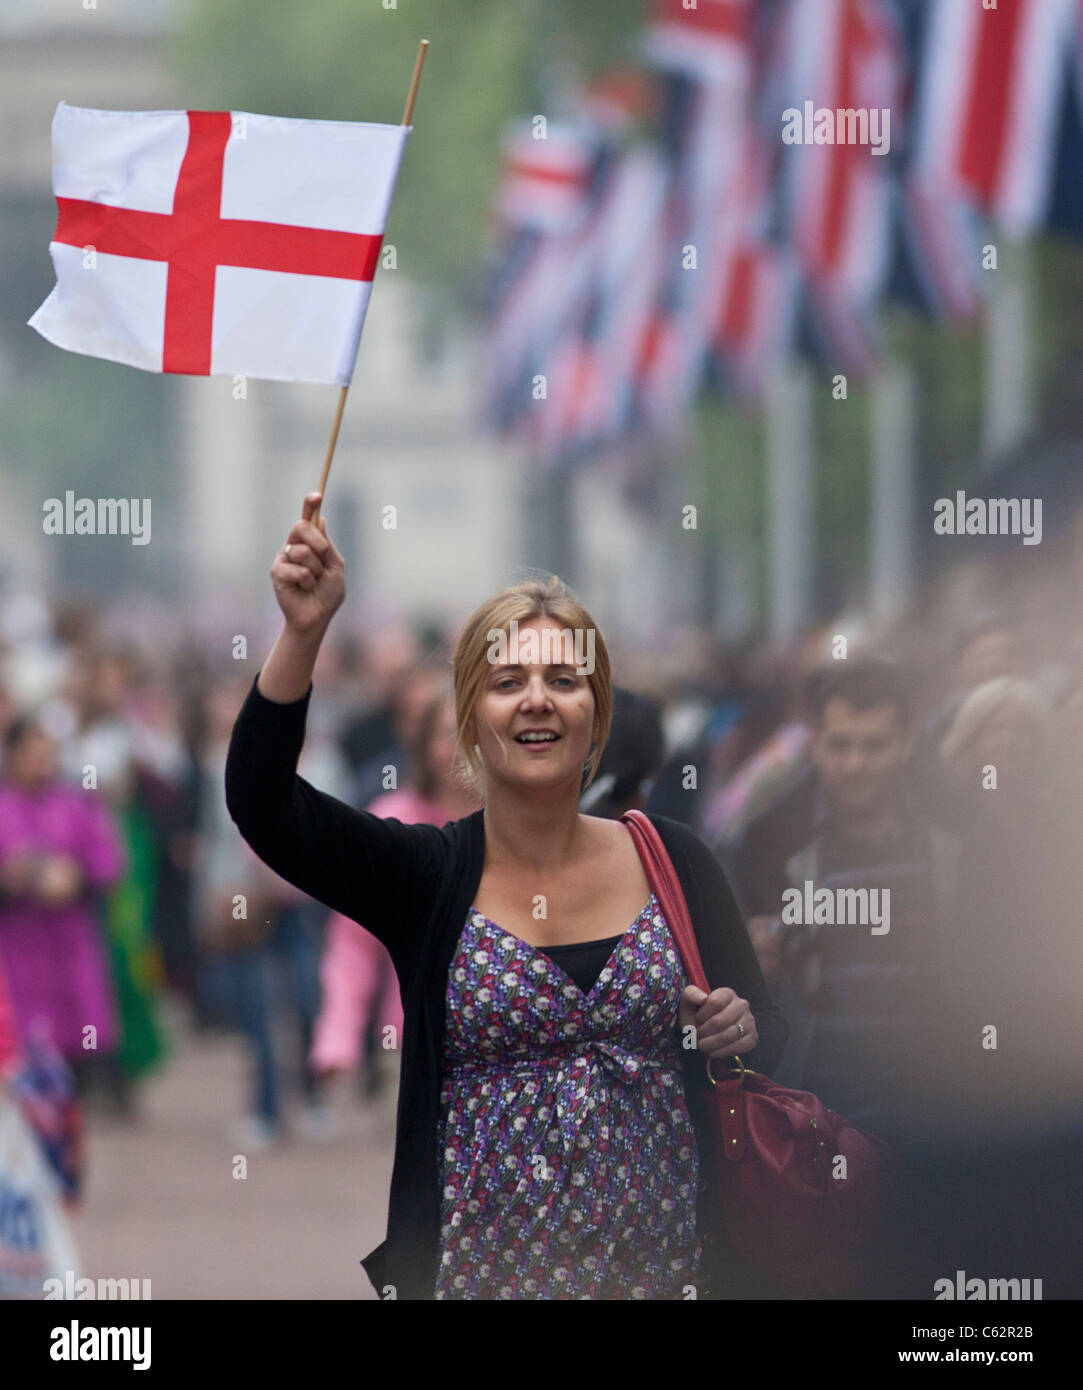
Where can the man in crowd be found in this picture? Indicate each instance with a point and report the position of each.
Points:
(859, 994)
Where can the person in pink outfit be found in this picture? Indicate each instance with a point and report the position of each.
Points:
(9, 1049)
(360, 995)
(59, 850)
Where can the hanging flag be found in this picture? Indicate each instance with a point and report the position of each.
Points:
(1065, 212)
(590, 373)
(217, 243)
(992, 96)
(541, 264)
(704, 120)
(632, 275)
(706, 39)
(939, 250)
(563, 369)
(844, 69)
(546, 174)
(669, 357)
(588, 370)
(617, 98)
(936, 229)
(754, 281)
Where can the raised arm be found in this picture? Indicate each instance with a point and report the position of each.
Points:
(309, 578)
(375, 870)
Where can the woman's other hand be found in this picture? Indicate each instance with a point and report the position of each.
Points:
(723, 1022)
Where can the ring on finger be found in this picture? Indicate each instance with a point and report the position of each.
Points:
(286, 552)
(740, 1030)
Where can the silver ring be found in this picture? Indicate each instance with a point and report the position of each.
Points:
(740, 1030)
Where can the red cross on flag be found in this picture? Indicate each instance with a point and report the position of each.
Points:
(217, 243)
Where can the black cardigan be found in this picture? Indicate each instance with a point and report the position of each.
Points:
(412, 887)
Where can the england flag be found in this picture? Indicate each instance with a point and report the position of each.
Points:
(217, 243)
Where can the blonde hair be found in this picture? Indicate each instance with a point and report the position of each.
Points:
(983, 703)
(470, 663)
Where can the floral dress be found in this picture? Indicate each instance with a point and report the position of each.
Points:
(569, 1160)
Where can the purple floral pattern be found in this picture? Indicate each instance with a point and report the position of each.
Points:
(569, 1160)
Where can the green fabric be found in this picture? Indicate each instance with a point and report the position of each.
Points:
(133, 954)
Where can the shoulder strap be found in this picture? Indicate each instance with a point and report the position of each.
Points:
(666, 887)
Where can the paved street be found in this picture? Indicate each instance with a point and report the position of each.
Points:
(162, 1202)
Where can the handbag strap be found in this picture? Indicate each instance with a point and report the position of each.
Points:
(666, 887)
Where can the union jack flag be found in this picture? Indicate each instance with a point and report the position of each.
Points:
(540, 229)
(841, 55)
(706, 54)
(992, 86)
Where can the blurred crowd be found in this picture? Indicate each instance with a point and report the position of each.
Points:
(143, 894)
(939, 760)
(954, 784)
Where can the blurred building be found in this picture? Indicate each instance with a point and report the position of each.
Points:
(106, 55)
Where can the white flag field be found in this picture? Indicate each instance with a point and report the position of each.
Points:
(217, 243)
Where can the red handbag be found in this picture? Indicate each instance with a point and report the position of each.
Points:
(801, 1190)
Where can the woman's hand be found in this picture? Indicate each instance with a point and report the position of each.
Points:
(716, 1017)
(308, 574)
(59, 880)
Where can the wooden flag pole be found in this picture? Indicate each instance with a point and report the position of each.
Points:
(407, 115)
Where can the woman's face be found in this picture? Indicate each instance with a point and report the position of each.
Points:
(32, 763)
(536, 696)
